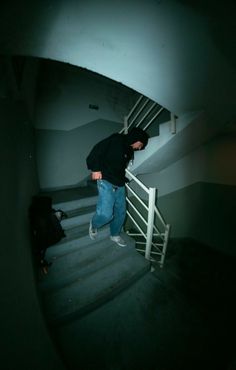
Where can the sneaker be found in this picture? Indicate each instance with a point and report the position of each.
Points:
(92, 232)
(119, 241)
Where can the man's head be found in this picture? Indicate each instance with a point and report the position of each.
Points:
(137, 138)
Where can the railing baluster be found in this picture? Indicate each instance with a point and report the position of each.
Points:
(139, 112)
(153, 118)
(165, 245)
(135, 105)
(137, 197)
(126, 125)
(146, 114)
(137, 211)
(151, 208)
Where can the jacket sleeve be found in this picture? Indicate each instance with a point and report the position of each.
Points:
(95, 157)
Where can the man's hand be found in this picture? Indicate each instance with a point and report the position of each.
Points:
(96, 175)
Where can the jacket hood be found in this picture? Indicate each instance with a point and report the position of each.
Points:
(137, 134)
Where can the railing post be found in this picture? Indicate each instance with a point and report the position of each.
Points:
(172, 123)
(126, 125)
(167, 232)
(151, 212)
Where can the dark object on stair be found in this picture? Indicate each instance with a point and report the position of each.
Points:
(46, 229)
(44, 265)
(60, 214)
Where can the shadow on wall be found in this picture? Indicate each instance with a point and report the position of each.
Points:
(205, 212)
(61, 155)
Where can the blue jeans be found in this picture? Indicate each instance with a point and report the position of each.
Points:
(111, 207)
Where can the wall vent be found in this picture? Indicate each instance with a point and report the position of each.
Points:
(93, 106)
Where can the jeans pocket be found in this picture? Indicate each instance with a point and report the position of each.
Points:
(104, 185)
(100, 184)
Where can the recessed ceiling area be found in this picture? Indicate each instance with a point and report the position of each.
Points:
(69, 96)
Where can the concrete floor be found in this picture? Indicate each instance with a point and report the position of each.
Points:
(182, 317)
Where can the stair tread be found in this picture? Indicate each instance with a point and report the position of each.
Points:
(77, 220)
(80, 211)
(76, 204)
(81, 262)
(75, 232)
(86, 273)
(75, 238)
(92, 290)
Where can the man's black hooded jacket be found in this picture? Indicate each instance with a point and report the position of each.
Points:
(112, 155)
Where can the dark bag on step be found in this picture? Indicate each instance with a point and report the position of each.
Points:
(45, 224)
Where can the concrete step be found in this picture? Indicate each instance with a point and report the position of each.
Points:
(80, 211)
(125, 333)
(105, 277)
(77, 214)
(75, 204)
(84, 273)
(75, 237)
(74, 221)
(86, 259)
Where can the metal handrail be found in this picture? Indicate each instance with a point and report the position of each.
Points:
(151, 209)
(136, 120)
(135, 105)
(152, 212)
(153, 118)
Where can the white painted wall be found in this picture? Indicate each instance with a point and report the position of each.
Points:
(61, 155)
(191, 131)
(213, 162)
(66, 128)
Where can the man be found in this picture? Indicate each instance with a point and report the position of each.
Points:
(108, 160)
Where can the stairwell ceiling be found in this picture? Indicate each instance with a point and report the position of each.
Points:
(67, 95)
(178, 53)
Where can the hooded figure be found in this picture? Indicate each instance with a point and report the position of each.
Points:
(108, 160)
(137, 134)
(112, 155)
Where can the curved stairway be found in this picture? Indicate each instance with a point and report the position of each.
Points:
(86, 274)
